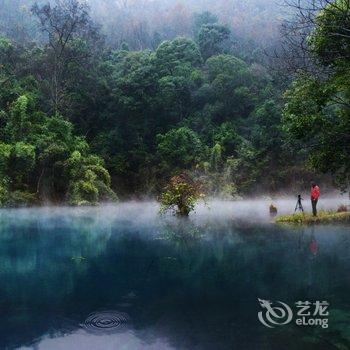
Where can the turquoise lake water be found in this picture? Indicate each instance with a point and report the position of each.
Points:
(121, 277)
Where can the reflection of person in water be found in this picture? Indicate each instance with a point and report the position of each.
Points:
(312, 251)
(313, 246)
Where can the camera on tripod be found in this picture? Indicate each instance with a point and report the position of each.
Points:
(299, 205)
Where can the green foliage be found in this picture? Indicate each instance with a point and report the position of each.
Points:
(227, 65)
(211, 39)
(20, 199)
(22, 162)
(18, 123)
(187, 104)
(34, 163)
(175, 53)
(5, 44)
(5, 153)
(203, 18)
(4, 193)
(227, 138)
(181, 195)
(312, 116)
(89, 180)
(216, 157)
(330, 39)
(323, 217)
(317, 107)
(179, 149)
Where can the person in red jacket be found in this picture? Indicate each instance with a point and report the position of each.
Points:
(315, 195)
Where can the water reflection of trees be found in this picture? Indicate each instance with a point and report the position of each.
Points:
(195, 284)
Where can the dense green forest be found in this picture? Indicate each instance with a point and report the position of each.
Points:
(88, 113)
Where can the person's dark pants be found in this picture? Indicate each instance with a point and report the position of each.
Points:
(314, 206)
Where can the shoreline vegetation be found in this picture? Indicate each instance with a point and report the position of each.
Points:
(84, 121)
(323, 217)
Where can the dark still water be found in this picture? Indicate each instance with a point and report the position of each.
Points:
(123, 278)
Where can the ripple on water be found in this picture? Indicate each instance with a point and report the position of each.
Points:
(103, 322)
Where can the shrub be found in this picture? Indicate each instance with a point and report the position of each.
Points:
(3, 192)
(21, 199)
(181, 195)
(90, 181)
(342, 208)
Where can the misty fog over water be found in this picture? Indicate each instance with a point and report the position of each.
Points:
(123, 277)
(147, 213)
(124, 124)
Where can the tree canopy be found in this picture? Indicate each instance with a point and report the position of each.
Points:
(317, 110)
(82, 119)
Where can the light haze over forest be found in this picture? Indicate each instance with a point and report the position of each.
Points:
(106, 99)
(144, 23)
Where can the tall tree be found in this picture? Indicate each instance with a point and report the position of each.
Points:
(71, 37)
(317, 110)
(212, 39)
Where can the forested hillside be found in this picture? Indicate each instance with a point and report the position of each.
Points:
(88, 112)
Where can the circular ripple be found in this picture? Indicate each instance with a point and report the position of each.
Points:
(105, 322)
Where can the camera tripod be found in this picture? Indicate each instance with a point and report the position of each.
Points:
(299, 205)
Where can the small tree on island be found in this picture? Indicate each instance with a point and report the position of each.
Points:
(181, 195)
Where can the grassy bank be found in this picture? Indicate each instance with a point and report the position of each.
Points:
(323, 217)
